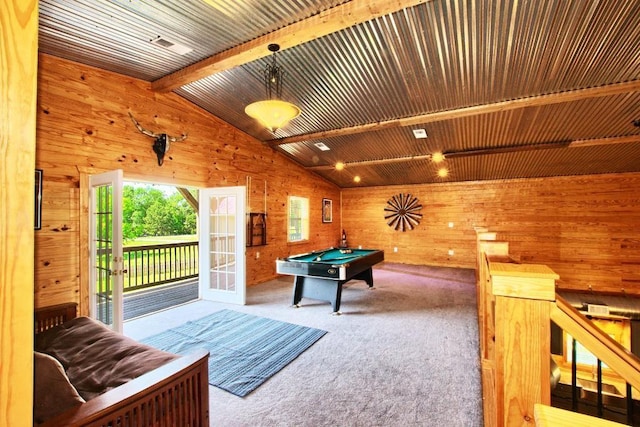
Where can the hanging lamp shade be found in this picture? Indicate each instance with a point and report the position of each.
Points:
(273, 113)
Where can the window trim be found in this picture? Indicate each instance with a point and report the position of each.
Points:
(304, 219)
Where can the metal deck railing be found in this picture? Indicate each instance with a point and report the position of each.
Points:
(156, 277)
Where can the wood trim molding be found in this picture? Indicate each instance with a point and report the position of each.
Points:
(84, 252)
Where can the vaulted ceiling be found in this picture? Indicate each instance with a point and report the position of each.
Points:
(504, 89)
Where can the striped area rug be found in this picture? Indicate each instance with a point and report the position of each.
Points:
(245, 350)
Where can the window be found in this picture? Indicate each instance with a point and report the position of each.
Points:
(298, 219)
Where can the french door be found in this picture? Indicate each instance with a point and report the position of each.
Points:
(222, 244)
(105, 235)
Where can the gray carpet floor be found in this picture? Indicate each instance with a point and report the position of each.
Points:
(403, 354)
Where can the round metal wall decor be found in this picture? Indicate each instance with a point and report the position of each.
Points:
(402, 212)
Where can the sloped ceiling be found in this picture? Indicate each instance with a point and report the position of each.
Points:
(505, 89)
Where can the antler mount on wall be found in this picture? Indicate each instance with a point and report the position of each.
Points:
(162, 140)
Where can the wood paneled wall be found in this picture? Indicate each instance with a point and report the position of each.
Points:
(586, 228)
(83, 127)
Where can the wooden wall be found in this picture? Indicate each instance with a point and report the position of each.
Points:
(83, 127)
(586, 228)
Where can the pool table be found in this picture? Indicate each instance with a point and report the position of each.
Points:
(321, 274)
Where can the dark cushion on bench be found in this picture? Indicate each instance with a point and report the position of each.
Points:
(97, 359)
(52, 391)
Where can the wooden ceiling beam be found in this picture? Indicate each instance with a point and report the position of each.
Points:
(496, 150)
(604, 141)
(457, 113)
(324, 23)
(192, 201)
(374, 162)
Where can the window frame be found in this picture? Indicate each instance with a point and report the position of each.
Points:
(303, 219)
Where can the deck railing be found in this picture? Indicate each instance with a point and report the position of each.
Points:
(153, 265)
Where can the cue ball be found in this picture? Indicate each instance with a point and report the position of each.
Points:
(318, 258)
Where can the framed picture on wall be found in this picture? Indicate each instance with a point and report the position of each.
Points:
(38, 200)
(327, 210)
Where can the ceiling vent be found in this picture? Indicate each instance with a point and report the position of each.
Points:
(321, 146)
(173, 47)
(597, 309)
(419, 133)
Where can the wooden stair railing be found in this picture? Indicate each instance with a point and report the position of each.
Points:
(516, 303)
(487, 246)
(618, 358)
(523, 294)
(547, 416)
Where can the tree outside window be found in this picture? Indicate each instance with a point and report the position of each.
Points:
(298, 219)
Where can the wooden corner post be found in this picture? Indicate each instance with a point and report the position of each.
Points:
(523, 299)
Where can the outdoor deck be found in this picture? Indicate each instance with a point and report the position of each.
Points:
(150, 300)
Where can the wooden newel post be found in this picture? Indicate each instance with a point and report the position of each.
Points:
(523, 298)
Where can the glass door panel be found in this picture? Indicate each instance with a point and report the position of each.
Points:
(106, 248)
(222, 237)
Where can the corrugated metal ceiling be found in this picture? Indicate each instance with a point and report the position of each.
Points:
(437, 56)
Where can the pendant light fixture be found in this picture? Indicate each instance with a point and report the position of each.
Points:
(273, 113)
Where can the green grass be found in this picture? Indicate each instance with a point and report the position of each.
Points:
(160, 240)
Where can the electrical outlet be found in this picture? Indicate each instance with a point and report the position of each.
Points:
(451, 252)
(257, 255)
(395, 249)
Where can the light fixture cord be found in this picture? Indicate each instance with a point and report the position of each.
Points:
(273, 75)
